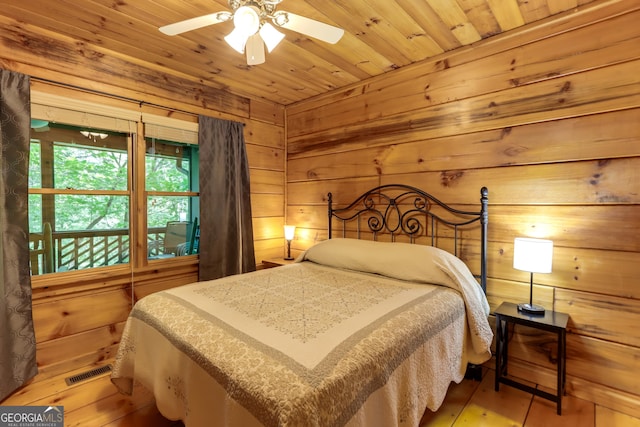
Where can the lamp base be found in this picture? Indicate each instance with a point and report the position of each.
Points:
(531, 309)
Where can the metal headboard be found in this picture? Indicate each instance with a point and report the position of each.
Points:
(403, 210)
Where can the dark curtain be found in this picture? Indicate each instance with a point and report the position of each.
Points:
(17, 338)
(226, 231)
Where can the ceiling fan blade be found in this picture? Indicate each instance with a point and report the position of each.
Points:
(195, 23)
(309, 27)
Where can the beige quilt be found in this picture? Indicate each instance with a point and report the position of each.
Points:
(309, 344)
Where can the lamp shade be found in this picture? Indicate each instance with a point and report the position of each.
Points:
(289, 232)
(532, 255)
(246, 23)
(270, 35)
(247, 20)
(237, 39)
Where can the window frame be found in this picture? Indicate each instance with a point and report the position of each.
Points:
(156, 124)
(103, 112)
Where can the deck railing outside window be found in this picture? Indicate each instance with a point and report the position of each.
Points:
(77, 250)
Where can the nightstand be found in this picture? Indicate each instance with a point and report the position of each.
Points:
(276, 262)
(552, 321)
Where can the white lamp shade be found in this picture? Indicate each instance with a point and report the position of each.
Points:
(289, 232)
(532, 255)
(237, 39)
(270, 35)
(247, 20)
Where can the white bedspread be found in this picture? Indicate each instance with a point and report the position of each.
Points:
(306, 344)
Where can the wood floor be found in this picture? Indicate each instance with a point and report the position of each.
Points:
(95, 402)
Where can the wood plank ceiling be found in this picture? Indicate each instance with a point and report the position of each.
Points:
(380, 35)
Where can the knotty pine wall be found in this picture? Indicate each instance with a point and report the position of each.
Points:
(548, 118)
(79, 316)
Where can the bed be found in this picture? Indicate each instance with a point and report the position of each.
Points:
(367, 328)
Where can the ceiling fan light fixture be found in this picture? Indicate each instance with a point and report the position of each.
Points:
(271, 36)
(237, 39)
(93, 135)
(247, 19)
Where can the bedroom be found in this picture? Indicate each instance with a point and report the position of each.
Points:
(577, 186)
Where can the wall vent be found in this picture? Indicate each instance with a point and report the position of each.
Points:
(86, 375)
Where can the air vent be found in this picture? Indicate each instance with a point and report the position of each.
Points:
(89, 374)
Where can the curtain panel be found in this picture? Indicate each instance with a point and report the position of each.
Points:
(17, 338)
(226, 231)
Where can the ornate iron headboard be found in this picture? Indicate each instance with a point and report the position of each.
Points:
(402, 210)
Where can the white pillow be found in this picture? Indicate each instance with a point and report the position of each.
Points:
(405, 261)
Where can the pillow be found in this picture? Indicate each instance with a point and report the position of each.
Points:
(405, 261)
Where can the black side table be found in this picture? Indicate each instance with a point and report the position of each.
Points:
(552, 321)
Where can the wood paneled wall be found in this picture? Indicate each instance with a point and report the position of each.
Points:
(548, 118)
(79, 316)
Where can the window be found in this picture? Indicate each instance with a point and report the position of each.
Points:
(82, 185)
(172, 198)
(172, 186)
(79, 198)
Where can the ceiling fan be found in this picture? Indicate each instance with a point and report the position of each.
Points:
(252, 29)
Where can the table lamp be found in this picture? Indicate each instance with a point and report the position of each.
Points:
(534, 256)
(289, 232)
